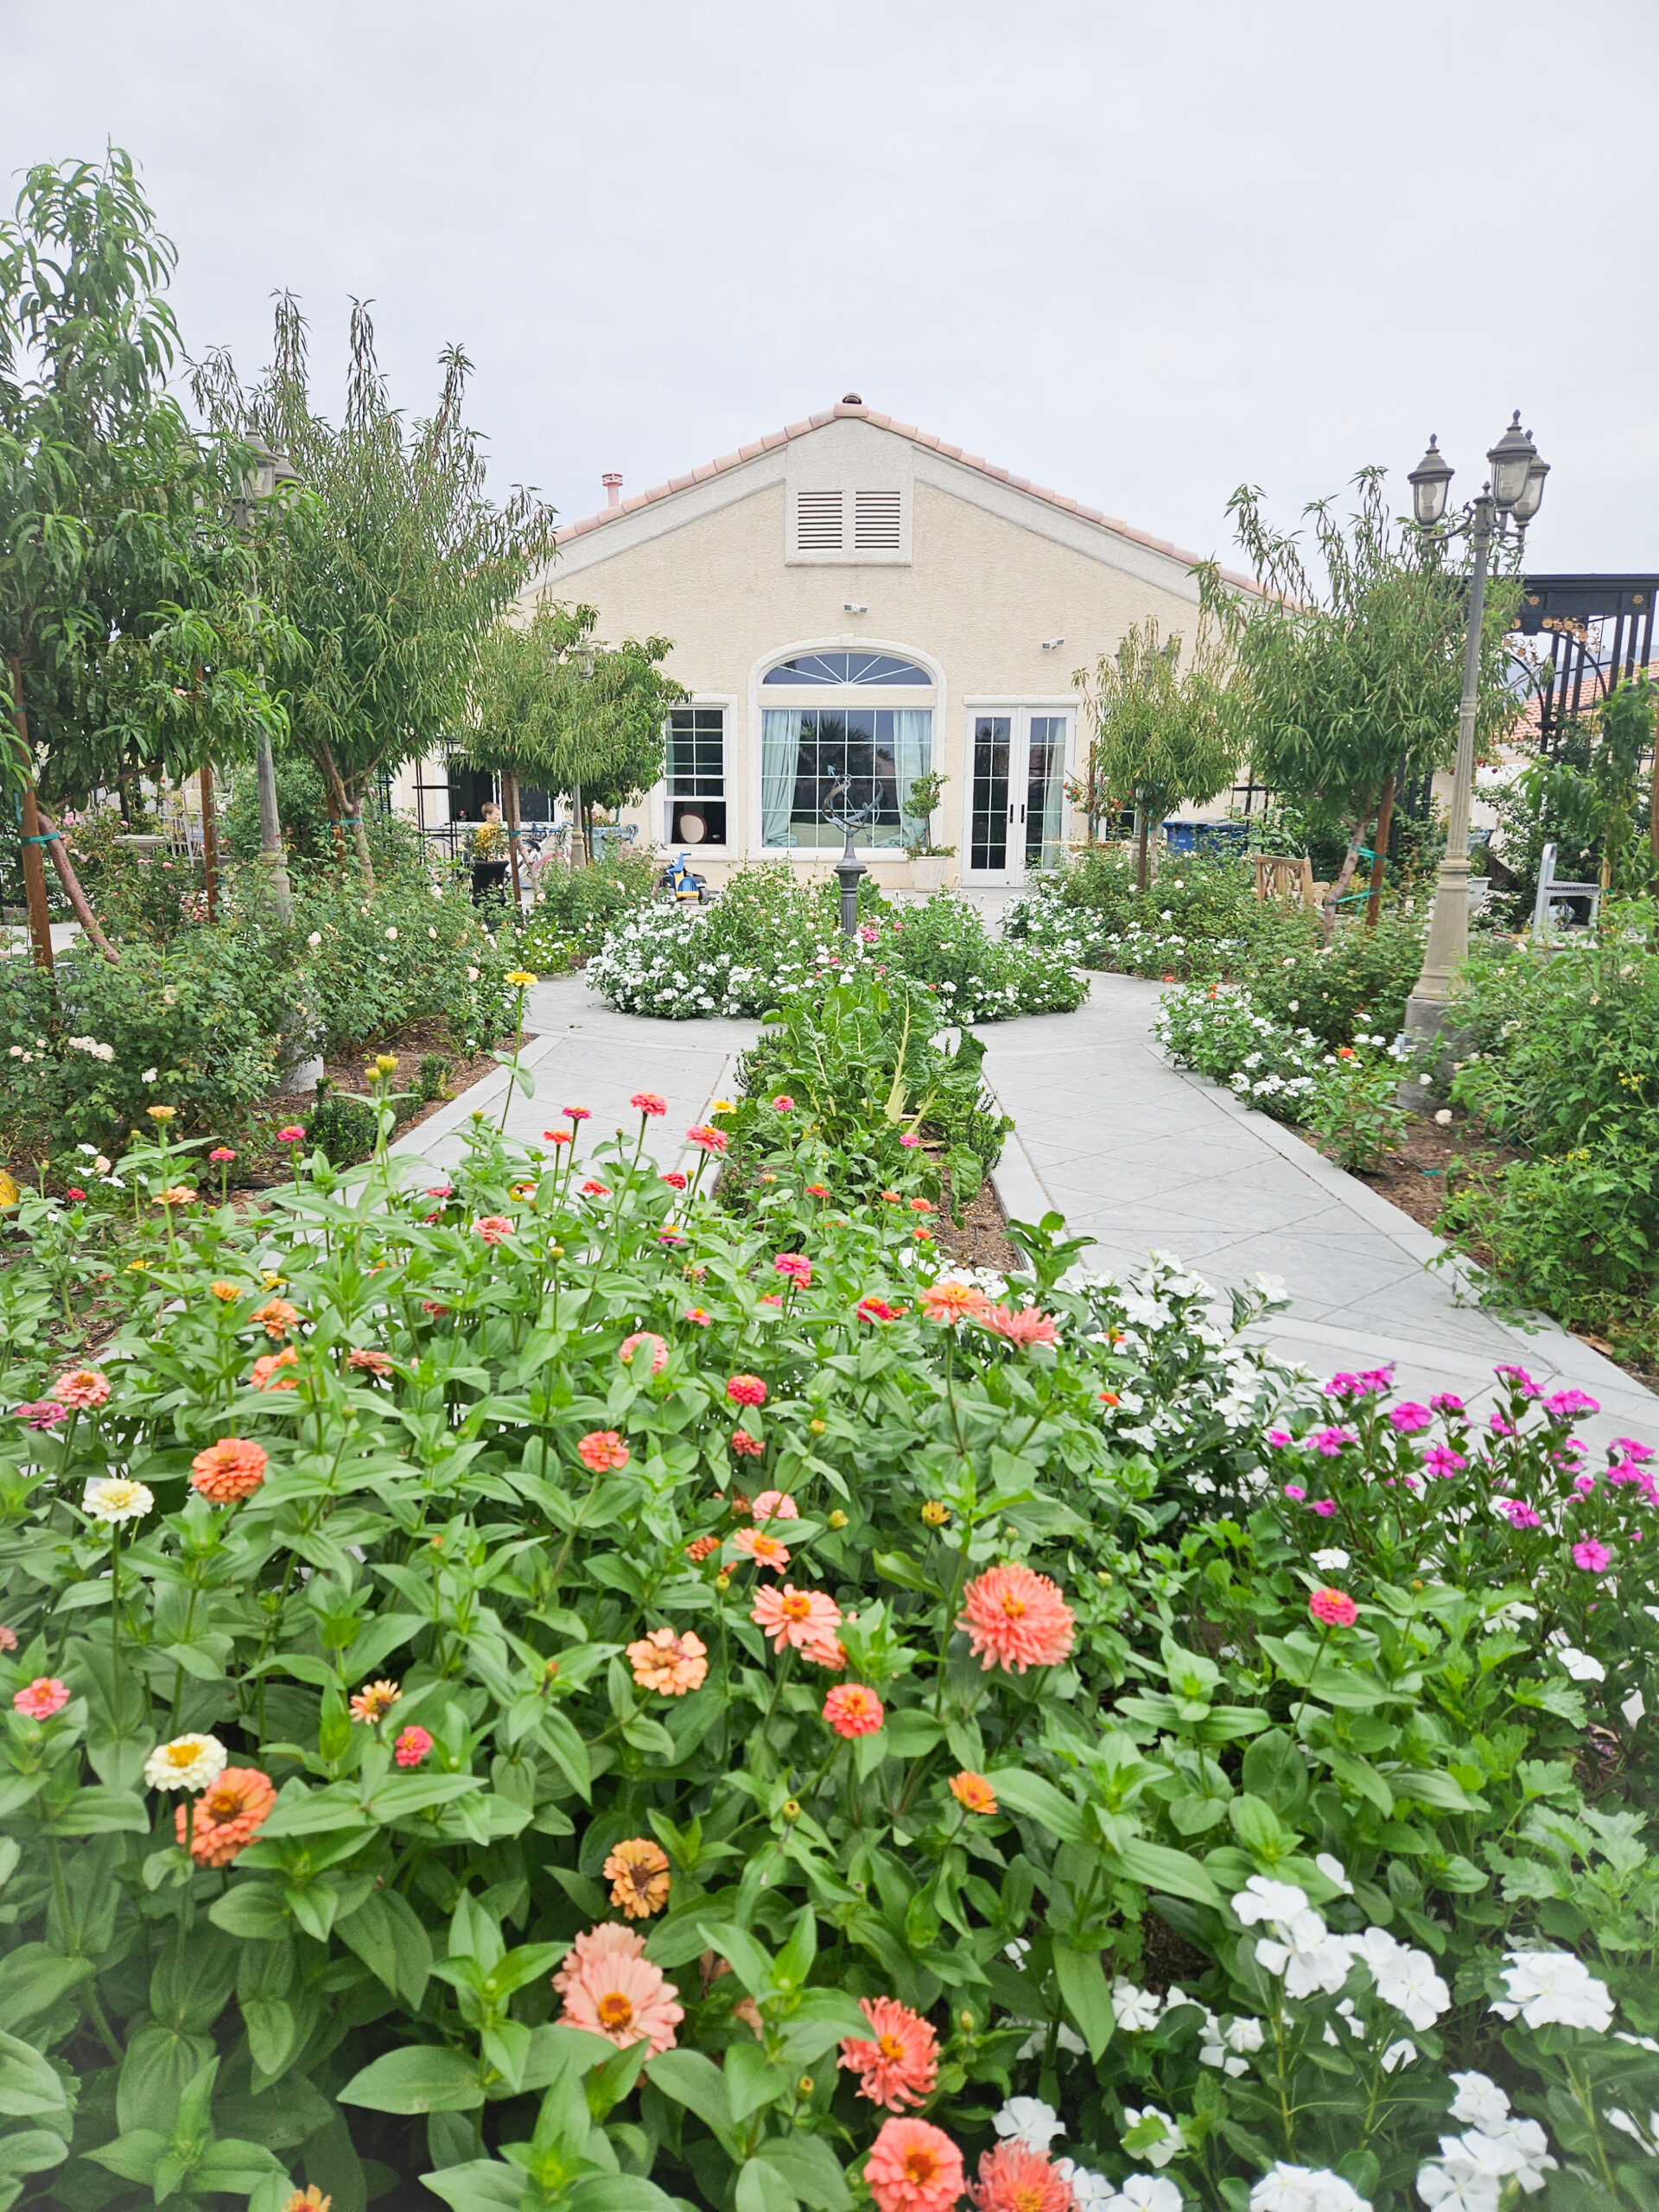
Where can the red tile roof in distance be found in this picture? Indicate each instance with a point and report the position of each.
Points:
(860, 413)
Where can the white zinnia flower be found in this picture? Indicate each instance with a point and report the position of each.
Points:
(193, 1763)
(1030, 2121)
(116, 1498)
(1552, 1987)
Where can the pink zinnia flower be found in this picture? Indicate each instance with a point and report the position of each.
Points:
(1592, 1556)
(763, 1549)
(647, 1102)
(624, 1999)
(876, 1309)
(610, 1940)
(1564, 1405)
(42, 1697)
(698, 1316)
(81, 1388)
(914, 2167)
(668, 1663)
(909, 1142)
(292, 1134)
(1015, 2178)
(775, 1505)
(412, 1747)
(746, 1447)
(1334, 1608)
(40, 1412)
(797, 1267)
(602, 1450)
(899, 2063)
(221, 1156)
(629, 1350)
(494, 1227)
(705, 1138)
(8, 1639)
(1409, 1418)
(747, 1390)
(797, 1616)
(673, 1177)
(1441, 1460)
(782, 1103)
(1025, 1325)
(852, 1710)
(575, 1113)
(1016, 1619)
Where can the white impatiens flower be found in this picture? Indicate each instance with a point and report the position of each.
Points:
(1030, 2121)
(1332, 1868)
(116, 1498)
(193, 1763)
(1331, 1561)
(1135, 2010)
(1140, 2193)
(1554, 1988)
(1306, 2189)
(1166, 2139)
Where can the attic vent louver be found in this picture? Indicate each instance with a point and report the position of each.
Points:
(817, 522)
(876, 521)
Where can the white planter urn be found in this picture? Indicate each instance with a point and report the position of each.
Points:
(927, 872)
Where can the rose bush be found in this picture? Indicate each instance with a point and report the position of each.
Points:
(616, 1718)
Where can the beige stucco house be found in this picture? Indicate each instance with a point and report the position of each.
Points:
(852, 598)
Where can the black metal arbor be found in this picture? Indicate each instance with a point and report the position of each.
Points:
(1600, 628)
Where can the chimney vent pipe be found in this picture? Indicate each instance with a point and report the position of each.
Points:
(612, 480)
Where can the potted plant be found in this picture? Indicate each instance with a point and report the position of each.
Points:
(926, 859)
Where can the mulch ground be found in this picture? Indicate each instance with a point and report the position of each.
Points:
(981, 1239)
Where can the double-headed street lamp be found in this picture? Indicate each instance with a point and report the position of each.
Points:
(1512, 496)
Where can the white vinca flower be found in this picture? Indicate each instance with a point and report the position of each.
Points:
(1331, 1867)
(1331, 1561)
(1554, 1988)
(1306, 2189)
(1028, 2120)
(1480, 2103)
(115, 1498)
(193, 1763)
(1135, 2010)
(1167, 2141)
(1140, 2193)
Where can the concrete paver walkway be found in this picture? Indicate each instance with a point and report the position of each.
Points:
(1138, 1154)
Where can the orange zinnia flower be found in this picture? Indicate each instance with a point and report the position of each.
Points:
(671, 1664)
(899, 2063)
(276, 1317)
(914, 2167)
(802, 1618)
(949, 1302)
(972, 1792)
(1016, 1619)
(229, 1471)
(638, 1874)
(228, 1816)
(265, 1377)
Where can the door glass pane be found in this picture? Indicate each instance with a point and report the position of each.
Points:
(1045, 792)
(987, 838)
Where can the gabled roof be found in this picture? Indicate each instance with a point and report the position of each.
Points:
(857, 412)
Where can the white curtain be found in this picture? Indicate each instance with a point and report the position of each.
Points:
(912, 751)
(780, 746)
(1054, 794)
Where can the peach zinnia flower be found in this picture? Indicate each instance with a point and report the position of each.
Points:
(746, 1447)
(42, 1698)
(914, 2167)
(1015, 2178)
(672, 1664)
(375, 1700)
(228, 1816)
(265, 1375)
(1024, 1326)
(852, 1710)
(747, 1390)
(638, 1874)
(276, 1317)
(629, 1350)
(494, 1227)
(763, 1549)
(775, 1505)
(973, 1792)
(229, 1471)
(82, 1387)
(949, 1302)
(802, 1618)
(899, 2063)
(602, 1449)
(412, 1746)
(624, 2000)
(367, 1361)
(610, 1940)
(1016, 1619)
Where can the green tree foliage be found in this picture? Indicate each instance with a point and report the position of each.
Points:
(393, 565)
(1350, 676)
(1162, 732)
(127, 618)
(1595, 802)
(554, 705)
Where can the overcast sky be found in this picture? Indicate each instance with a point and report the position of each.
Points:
(1139, 252)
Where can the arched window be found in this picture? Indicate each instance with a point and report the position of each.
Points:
(846, 668)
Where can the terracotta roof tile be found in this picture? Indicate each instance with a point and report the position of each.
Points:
(773, 439)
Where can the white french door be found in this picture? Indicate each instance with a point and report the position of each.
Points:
(1016, 793)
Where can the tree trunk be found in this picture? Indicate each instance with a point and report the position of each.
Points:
(340, 805)
(209, 845)
(510, 808)
(59, 851)
(1335, 895)
(1384, 823)
(359, 835)
(1141, 828)
(40, 926)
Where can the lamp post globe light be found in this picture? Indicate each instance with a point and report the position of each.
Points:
(1511, 497)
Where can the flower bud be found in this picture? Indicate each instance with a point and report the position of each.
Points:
(837, 1519)
(818, 1427)
(805, 2085)
(790, 1809)
(935, 1515)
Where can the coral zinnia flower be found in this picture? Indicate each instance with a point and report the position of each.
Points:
(1015, 2178)
(700, 1547)
(375, 1700)
(914, 2167)
(610, 1940)
(746, 1447)
(797, 1616)
(775, 1505)
(367, 1361)
(42, 1698)
(494, 1227)
(898, 2066)
(973, 1792)
(228, 1816)
(276, 1317)
(629, 1350)
(764, 1550)
(1016, 1619)
(949, 1302)
(673, 1177)
(672, 1664)
(638, 1874)
(877, 1309)
(705, 1138)
(229, 1471)
(81, 1388)
(797, 1267)
(647, 1102)
(266, 1376)
(624, 2000)
(1026, 1326)
(852, 1710)
(747, 1390)
(1334, 1608)
(412, 1746)
(601, 1449)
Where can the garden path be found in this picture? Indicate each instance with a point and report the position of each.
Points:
(1136, 1154)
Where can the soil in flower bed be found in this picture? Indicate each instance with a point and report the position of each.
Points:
(981, 1239)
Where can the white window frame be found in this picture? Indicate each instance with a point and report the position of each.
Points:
(663, 799)
(819, 695)
(1019, 712)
